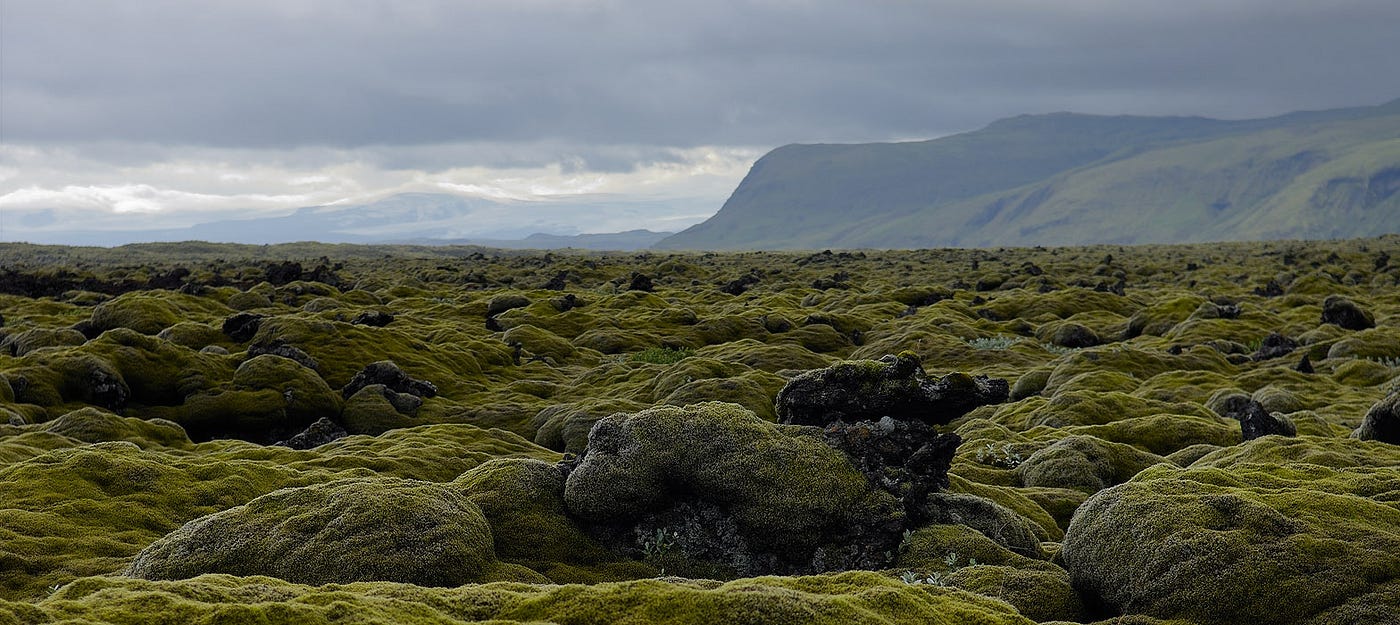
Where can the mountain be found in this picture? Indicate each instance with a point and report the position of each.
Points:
(1063, 179)
(417, 218)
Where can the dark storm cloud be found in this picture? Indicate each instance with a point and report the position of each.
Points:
(350, 73)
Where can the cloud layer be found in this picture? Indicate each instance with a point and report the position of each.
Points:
(131, 104)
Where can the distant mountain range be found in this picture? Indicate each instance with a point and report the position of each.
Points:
(1064, 179)
(416, 218)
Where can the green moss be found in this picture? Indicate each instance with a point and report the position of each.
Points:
(156, 371)
(797, 492)
(539, 342)
(1320, 536)
(1084, 463)
(91, 425)
(829, 599)
(135, 311)
(1030, 384)
(523, 500)
(742, 391)
(766, 357)
(368, 411)
(338, 532)
(1087, 408)
(564, 427)
(1167, 433)
(21, 343)
(307, 396)
(1039, 594)
(69, 512)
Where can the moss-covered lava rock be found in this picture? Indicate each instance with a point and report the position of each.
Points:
(338, 532)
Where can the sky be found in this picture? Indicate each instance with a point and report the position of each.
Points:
(144, 113)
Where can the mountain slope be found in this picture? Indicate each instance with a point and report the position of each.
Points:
(1069, 179)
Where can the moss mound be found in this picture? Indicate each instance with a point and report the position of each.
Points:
(796, 494)
(1210, 545)
(846, 598)
(339, 532)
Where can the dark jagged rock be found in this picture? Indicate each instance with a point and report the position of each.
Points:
(1382, 421)
(1272, 289)
(1228, 310)
(278, 347)
(1304, 365)
(319, 433)
(242, 326)
(171, 280)
(1256, 421)
(908, 459)
(373, 318)
(838, 280)
(894, 386)
(1275, 346)
(392, 377)
(559, 282)
(640, 282)
(740, 285)
(282, 273)
(106, 390)
(1075, 336)
(324, 274)
(502, 303)
(1342, 312)
(566, 302)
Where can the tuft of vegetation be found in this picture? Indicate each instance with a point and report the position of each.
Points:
(662, 355)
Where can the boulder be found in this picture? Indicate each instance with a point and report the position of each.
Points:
(1256, 421)
(735, 493)
(1279, 544)
(243, 326)
(1382, 421)
(319, 433)
(1275, 346)
(373, 319)
(894, 386)
(335, 533)
(1083, 463)
(387, 373)
(1344, 313)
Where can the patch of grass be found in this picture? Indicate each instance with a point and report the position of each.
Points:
(662, 355)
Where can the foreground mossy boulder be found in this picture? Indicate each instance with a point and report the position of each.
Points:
(753, 495)
(1257, 543)
(343, 531)
(855, 597)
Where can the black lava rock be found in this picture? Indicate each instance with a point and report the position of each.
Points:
(909, 459)
(392, 377)
(373, 318)
(1256, 422)
(894, 386)
(242, 326)
(1275, 346)
(1340, 311)
(1382, 421)
(640, 282)
(318, 433)
(278, 347)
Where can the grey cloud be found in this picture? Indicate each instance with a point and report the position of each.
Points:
(544, 76)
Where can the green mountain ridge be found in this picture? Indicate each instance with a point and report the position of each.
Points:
(1066, 179)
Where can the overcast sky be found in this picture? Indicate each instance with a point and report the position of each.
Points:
(156, 111)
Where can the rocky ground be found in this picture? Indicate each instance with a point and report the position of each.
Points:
(313, 434)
